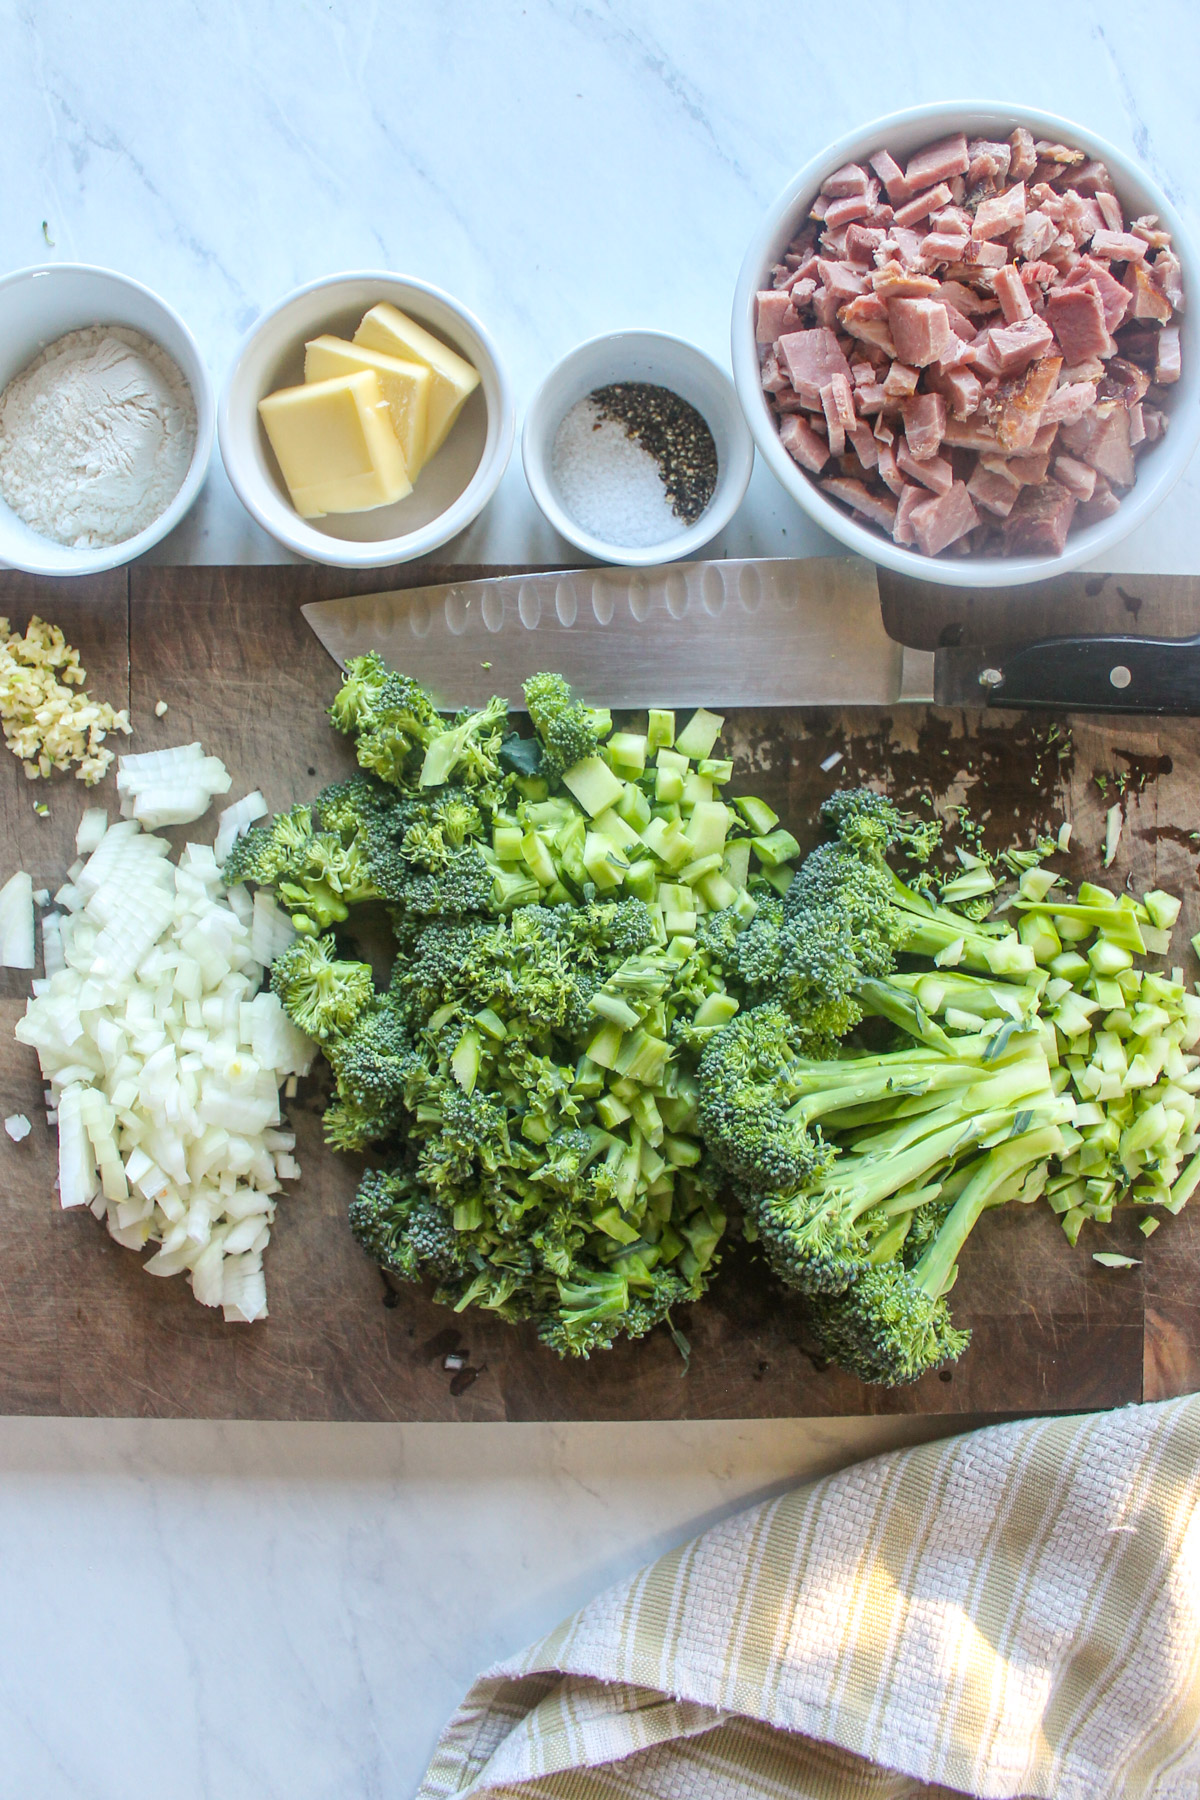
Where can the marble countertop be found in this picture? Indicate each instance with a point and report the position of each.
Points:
(209, 1611)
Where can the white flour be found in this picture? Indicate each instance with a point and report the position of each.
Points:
(96, 435)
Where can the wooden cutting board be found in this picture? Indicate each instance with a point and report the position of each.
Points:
(84, 1331)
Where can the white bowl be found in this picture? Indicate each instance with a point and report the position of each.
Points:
(1159, 467)
(668, 362)
(452, 489)
(41, 304)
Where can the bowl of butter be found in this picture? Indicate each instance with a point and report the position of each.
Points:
(366, 420)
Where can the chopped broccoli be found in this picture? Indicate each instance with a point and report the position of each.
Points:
(569, 730)
(321, 994)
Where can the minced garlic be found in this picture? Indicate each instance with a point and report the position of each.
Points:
(48, 720)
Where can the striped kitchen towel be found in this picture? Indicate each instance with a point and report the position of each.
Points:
(1015, 1612)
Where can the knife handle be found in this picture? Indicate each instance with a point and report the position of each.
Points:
(1099, 674)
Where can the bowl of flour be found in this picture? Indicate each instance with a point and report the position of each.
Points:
(106, 419)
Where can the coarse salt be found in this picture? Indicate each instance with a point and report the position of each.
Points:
(608, 483)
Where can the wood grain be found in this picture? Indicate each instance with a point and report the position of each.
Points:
(84, 1331)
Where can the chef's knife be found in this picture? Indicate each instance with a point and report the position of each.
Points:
(759, 632)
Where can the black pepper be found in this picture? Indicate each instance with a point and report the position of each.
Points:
(671, 431)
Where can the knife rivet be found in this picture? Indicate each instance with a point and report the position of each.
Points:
(991, 678)
(1120, 676)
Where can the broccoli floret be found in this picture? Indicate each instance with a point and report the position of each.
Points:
(468, 750)
(321, 874)
(403, 1229)
(743, 1105)
(569, 730)
(392, 716)
(356, 804)
(355, 699)
(374, 1062)
(595, 1307)
(321, 994)
(465, 882)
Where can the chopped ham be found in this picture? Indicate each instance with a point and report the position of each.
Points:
(964, 299)
(891, 175)
(937, 162)
(870, 398)
(1167, 364)
(902, 529)
(1069, 403)
(843, 212)
(840, 279)
(1012, 294)
(961, 389)
(1021, 403)
(775, 310)
(1149, 301)
(1076, 477)
(1109, 452)
(812, 358)
(865, 447)
(1119, 246)
(920, 207)
(924, 418)
(933, 472)
(1110, 209)
(942, 519)
(971, 434)
(833, 423)
(1040, 520)
(1167, 274)
(1080, 217)
(1137, 425)
(940, 247)
(1014, 347)
(879, 508)
(1094, 178)
(1077, 316)
(894, 282)
(862, 241)
(889, 469)
(1154, 422)
(862, 373)
(1024, 156)
(995, 492)
(801, 442)
(989, 161)
(1077, 434)
(1113, 296)
(1102, 505)
(851, 178)
(920, 330)
(901, 381)
(842, 398)
(996, 218)
(867, 318)
(1035, 237)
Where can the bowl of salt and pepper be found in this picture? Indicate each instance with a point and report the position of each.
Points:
(635, 448)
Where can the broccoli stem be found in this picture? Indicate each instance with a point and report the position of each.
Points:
(934, 1273)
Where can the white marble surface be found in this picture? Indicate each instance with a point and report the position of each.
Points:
(217, 1611)
(565, 168)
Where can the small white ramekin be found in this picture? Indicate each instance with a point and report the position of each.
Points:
(1159, 467)
(451, 490)
(41, 304)
(668, 362)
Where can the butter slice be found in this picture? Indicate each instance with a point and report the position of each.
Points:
(335, 445)
(405, 387)
(386, 328)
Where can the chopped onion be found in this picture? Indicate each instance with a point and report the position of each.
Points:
(272, 931)
(18, 1127)
(163, 1058)
(92, 828)
(235, 819)
(16, 922)
(170, 787)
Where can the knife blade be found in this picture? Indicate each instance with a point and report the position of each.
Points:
(749, 632)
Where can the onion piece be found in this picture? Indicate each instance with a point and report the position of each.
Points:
(92, 827)
(16, 922)
(236, 819)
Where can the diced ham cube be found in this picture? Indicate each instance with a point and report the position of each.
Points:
(942, 519)
(1094, 178)
(1167, 273)
(802, 442)
(1081, 217)
(941, 247)
(1149, 301)
(909, 497)
(1024, 156)
(936, 162)
(1014, 347)
(997, 217)
(825, 308)
(995, 492)
(1102, 505)
(1109, 452)
(775, 312)
(889, 469)
(840, 279)
(862, 373)
(1119, 246)
(964, 299)
(867, 318)
(1035, 237)
(1137, 425)
(989, 161)
(985, 255)
(1022, 403)
(1110, 210)
(921, 205)
(1077, 434)
(954, 219)
(1069, 403)
(920, 330)
(879, 508)
(842, 397)
(772, 376)
(870, 398)
(1076, 477)
(1113, 296)
(924, 423)
(1167, 363)
(1040, 520)
(1012, 294)
(971, 434)
(882, 431)
(843, 212)
(933, 472)
(891, 174)
(1077, 316)
(1155, 423)
(851, 178)
(862, 241)
(812, 358)
(865, 447)
(900, 381)
(1147, 228)
(833, 422)
(894, 282)
(961, 389)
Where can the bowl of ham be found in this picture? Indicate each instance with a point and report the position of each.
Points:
(960, 341)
